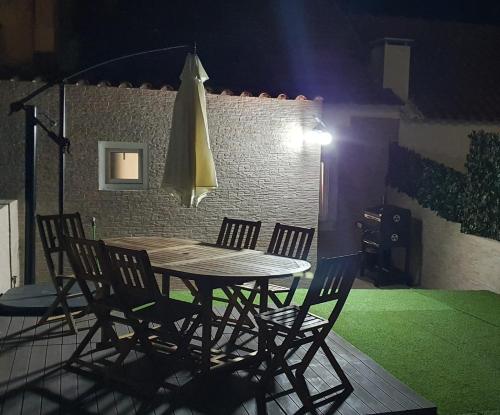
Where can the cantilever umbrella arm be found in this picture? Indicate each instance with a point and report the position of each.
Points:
(31, 121)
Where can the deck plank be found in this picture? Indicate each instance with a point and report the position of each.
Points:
(32, 399)
(34, 381)
(4, 328)
(86, 386)
(51, 393)
(8, 355)
(13, 392)
(370, 369)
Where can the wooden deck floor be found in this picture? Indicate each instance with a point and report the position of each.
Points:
(33, 380)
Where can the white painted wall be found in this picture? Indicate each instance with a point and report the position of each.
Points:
(9, 244)
(447, 143)
(450, 259)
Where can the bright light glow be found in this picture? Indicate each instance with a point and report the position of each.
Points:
(319, 136)
(295, 137)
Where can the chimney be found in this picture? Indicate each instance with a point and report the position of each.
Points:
(390, 63)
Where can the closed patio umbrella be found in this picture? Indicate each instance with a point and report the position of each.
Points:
(190, 170)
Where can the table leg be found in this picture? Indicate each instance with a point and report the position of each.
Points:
(165, 284)
(264, 288)
(103, 292)
(206, 297)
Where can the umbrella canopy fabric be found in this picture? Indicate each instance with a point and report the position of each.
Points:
(190, 170)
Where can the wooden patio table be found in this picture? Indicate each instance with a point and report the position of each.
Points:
(211, 267)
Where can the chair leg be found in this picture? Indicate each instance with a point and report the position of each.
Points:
(124, 347)
(276, 300)
(141, 336)
(336, 367)
(238, 294)
(299, 385)
(232, 298)
(278, 358)
(225, 317)
(249, 308)
(186, 336)
(273, 365)
(61, 299)
(291, 292)
(86, 340)
(311, 352)
(187, 320)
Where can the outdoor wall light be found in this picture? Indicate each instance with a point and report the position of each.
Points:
(319, 134)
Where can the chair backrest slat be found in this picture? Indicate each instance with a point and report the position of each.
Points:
(132, 276)
(294, 241)
(89, 263)
(242, 235)
(291, 241)
(238, 233)
(51, 230)
(51, 235)
(235, 234)
(333, 279)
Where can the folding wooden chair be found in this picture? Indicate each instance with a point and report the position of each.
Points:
(238, 234)
(91, 266)
(289, 241)
(233, 234)
(51, 229)
(285, 330)
(143, 304)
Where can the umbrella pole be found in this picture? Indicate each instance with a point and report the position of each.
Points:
(30, 194)
(62, 165)
(31, 121)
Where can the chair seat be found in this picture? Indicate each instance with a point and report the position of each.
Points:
(66, 276)
(285, 317)
(109, 302)
(169, 309)
(251, 286)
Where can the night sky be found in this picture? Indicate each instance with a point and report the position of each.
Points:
(244, 44)
(480, 11)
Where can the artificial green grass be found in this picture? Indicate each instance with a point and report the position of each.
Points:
(443, 344)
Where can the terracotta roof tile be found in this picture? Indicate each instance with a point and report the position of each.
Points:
(147, 85)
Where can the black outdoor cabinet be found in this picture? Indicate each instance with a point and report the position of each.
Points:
(384, 229)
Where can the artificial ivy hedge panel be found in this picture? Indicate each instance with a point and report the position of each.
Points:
(432, 184)
(482, 204)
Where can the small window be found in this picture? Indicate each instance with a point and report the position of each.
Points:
(122, 166)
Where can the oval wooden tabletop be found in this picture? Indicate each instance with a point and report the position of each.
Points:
(194, 259)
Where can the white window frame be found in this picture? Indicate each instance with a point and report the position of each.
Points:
(105, 183)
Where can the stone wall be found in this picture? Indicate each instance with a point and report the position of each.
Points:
(264, 172)
(450, 259)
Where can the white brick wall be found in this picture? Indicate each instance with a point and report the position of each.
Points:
(261, 174)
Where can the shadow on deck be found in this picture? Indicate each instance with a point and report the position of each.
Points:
(35, 380)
